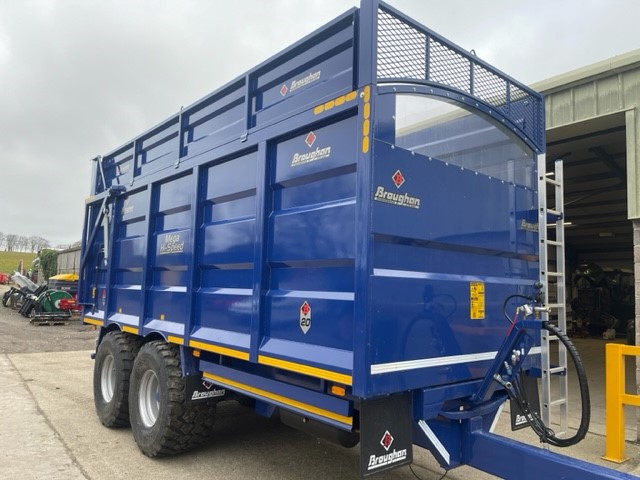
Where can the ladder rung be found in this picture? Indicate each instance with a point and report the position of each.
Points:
(554, 370)
(552, 181)
(559, 401)
(551, 346)
(555, 305)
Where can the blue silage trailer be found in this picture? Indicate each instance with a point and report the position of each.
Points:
(335, 237)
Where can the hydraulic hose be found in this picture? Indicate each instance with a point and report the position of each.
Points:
(585, 400)
(546, 434)
(506, 300)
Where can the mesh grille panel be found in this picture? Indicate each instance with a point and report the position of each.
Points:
(401, 49)
(489, 87)
(408, 51)
(447, 67)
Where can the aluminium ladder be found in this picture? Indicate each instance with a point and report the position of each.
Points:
(553, 279)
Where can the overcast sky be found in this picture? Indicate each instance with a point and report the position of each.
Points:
(81, 77)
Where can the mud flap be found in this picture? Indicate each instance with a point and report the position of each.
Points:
(530, 386)
(386, 439)
(197, 390)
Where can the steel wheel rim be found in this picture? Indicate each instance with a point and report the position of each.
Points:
(108, 378)
(149, 398)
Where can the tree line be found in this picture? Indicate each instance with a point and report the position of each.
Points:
(21, 243)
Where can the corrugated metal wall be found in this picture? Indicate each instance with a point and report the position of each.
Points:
(606, 88)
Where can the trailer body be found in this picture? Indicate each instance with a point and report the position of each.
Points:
(333, 235)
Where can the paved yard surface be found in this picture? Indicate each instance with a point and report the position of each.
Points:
(49, 430)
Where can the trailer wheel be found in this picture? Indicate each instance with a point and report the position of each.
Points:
(112, 371)
(161, 420)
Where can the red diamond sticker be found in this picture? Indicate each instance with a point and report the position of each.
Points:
(311, 137)
(386, 440)
(305, 308)
(398, 178)
(305, 317)
(283, 90)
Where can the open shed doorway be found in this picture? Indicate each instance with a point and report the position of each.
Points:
(598, 234)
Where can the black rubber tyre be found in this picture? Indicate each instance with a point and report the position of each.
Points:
(111, 375)
(6, 297)
(161, 420)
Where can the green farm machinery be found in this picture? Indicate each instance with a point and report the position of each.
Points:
(47, 304)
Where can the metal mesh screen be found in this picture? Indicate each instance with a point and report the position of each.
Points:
(408, 51)
(448, 67)
(489, 87)
(401, 49)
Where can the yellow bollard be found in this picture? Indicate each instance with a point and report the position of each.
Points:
(616, 398)
(614, 408)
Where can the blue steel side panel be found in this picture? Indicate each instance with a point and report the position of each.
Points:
(159, 148)
(118, 167)
(311, 251)
(316, 68)
(227, 232)
(169, 255)
(217, 117)
(436, 229)
(479, 212)
(152, 151)
(339, 79)
(129, 256)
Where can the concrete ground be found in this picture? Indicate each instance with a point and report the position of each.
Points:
(49, 430)
(592, 352)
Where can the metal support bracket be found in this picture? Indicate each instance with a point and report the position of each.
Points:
(111, 193)
(512, 353)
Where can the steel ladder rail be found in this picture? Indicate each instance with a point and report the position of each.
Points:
(552, 276)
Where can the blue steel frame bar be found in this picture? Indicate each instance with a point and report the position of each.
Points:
(507, 458)
(366, 72)
(260, 251)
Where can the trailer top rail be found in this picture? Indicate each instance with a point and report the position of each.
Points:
(335, 60)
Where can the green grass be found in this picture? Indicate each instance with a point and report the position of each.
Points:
(9, 261)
